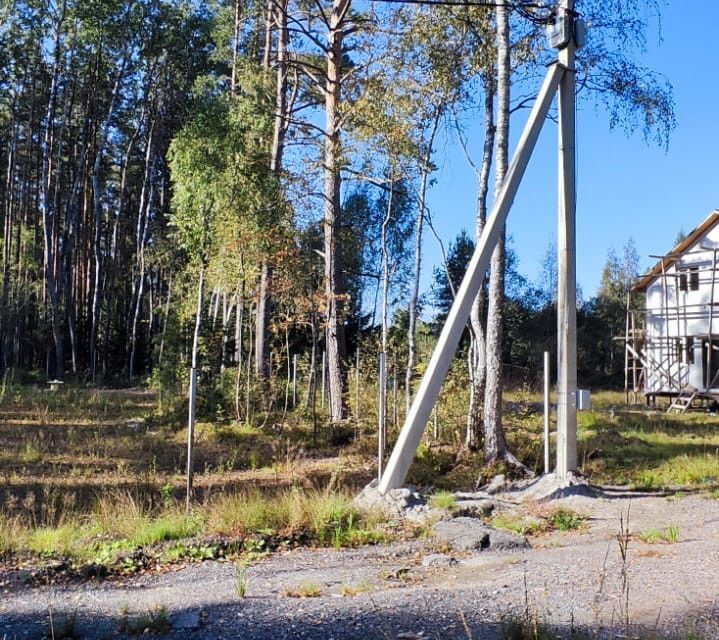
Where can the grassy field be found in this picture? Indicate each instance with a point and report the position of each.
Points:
(97, 477)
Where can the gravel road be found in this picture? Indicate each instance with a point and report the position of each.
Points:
(569, 580)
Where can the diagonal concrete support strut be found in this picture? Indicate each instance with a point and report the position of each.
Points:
(429, 388)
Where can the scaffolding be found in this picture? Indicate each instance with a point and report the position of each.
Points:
(671, 348)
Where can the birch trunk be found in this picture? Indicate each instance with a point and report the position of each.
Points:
(477, 350)
(495, 446)
(97, 211)
(143, 228)
(417, 268)
(46, 205)
(277, 19)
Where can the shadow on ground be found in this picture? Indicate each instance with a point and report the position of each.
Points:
(360, 618)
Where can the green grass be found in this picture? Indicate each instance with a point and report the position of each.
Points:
(565, 519)
(443, 500)
(650, 452)
(60, 541)
(171, 526)
(121, 524)
(520, 525)
(326, 519)
(669, 535)
(241, 579)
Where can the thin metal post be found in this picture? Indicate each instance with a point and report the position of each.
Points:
(357, 384)
(324, 376)
(547, 411)
(294, 380)
(429, 388)
(381, 414)
(395, 418)
(567, 259)
(191, 435)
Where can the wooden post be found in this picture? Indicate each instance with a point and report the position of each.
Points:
(633, 329)
(710, 337)
(626, 354)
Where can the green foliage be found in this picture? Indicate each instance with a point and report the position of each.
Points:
(443, 500)
(324, 518)
(654, 536)
(565, 519)
(241, 579)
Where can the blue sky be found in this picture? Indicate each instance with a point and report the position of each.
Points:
(626, 186)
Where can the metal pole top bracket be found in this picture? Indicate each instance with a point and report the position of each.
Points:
(567, 27)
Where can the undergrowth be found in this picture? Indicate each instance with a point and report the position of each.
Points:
(120, 525)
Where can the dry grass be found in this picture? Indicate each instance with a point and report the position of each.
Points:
(92, 474)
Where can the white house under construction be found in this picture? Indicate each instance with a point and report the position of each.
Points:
(672, 344)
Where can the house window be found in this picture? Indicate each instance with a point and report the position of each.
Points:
(689, 279)
(689, 350)
(682, 282)
(694, 278)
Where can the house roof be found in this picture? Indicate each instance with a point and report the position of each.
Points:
(669, 259)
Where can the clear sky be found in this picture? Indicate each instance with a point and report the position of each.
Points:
(626, 187)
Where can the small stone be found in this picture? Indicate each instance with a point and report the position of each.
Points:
(506, 541)
(438, 560)
(187, 620)
(462, 534)
(471, 534)
(475, 508)
(498, 483)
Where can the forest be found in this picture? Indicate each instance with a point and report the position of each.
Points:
(240, 188)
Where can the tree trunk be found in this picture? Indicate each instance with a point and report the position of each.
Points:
(417, 269)
(495, 446)
(97, 211)
(277, 18)
(334, 281)
(193, 387)
(385, 263)
(142, 233)
(164, 321)
(262, 327)
(477, 350)
(46, 207)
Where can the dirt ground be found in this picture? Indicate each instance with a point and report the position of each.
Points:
(568, 580)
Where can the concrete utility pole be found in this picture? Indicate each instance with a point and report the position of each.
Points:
(559, 75)
(567, 258)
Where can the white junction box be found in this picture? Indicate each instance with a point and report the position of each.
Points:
(584, 400)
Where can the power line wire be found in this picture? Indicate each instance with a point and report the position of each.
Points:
(467, 3)
(521, 8)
